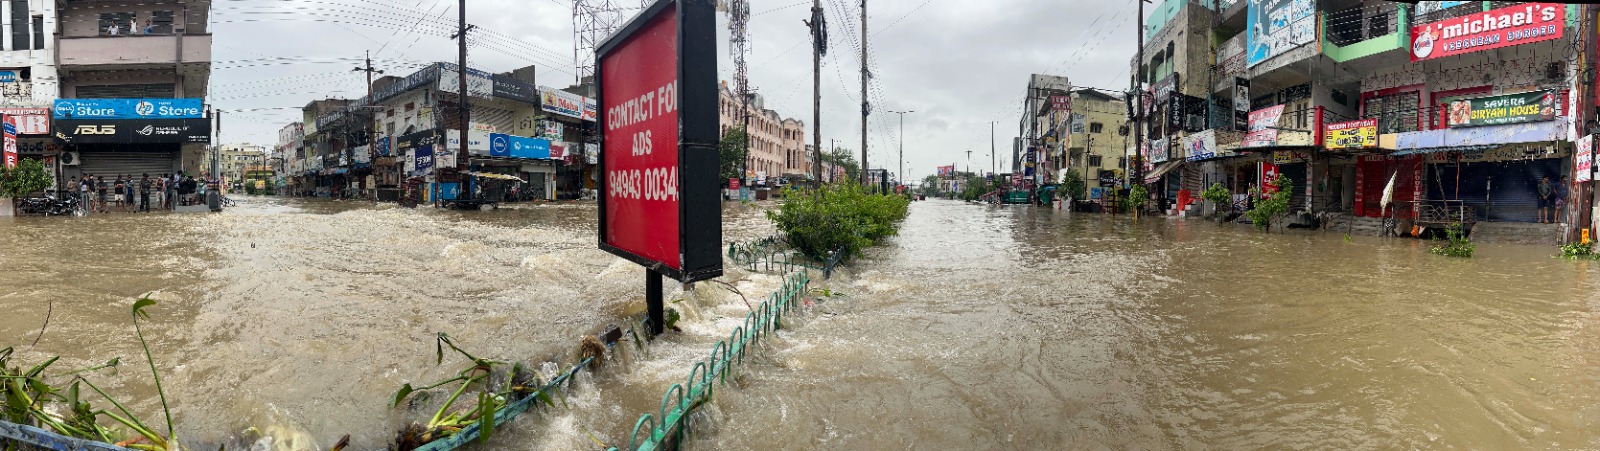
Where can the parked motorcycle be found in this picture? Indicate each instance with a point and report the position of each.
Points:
(52, 205)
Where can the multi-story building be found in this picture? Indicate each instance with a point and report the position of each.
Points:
(286, 156)
(1045, 111)
(28, 80)
(132, 81)
(1094, 145)
(777, 144)
(236, 160)
(1342, 96)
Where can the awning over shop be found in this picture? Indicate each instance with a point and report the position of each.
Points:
(1161, 170)
(1441, 149)
(491, 175)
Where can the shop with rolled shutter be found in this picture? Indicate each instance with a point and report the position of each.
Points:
(1502, 191)
(132, 160)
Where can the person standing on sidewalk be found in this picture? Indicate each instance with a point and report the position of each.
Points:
(1546, 199)
(144, 193)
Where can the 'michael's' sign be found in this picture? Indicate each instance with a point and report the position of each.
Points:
(1504, 27)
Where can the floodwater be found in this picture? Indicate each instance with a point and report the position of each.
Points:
(980, 327)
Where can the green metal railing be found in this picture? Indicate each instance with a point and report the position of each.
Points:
(668, 424)
(772, 254)
(504, 415)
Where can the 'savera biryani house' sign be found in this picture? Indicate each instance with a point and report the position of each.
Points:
(1504, 27)
(1503, 109)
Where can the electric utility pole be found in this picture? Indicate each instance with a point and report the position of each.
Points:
(866, 108)
(461, 72)
(991, 147)
(372, 126)
(1137, 171)
(819, 46)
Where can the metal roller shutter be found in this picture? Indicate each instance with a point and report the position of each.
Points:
(1500, 191)
(111, 164)
(1296, 172)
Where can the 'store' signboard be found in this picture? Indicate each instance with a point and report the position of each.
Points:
(659, 204)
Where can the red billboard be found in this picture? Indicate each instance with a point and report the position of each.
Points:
(659, 200)
(1504, 27)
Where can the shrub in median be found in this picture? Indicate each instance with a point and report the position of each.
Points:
(821, 220)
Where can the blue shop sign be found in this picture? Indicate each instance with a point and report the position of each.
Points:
(503, 145)
(8, 76)
(129, 109)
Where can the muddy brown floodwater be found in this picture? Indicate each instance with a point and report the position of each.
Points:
(980, 327)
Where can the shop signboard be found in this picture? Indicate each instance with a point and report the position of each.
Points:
(659, 202)
(1429, 7)
(9, 126)
(477, 141)
(1532, 106)
(421, 160)
(1263, 130)
(1159, 151)
(1278, 26)
(1241, 104)
(1269, 179)
(566, 104)
(512, 146)
(1362, 134)
(1230, 57)
(129, 108)
(506, 87)
(1583, 160)
(1164, 88)
(551, 128)
(1108, 178)
(30, 121)
(480, 84)
(1061, 103)
(133, 131)
(416, 79)
(1497, 28)
(1200, 146)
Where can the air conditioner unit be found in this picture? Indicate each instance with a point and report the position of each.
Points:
(69, 159)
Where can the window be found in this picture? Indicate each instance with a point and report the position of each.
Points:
(112, 23)
(140, 91)
(1396, 113)
(1122, 162)
(1096, 127)
(1094, 160)
(160, 23)
(38, 32)
(390, 112)
(411, 106)
(19, 26)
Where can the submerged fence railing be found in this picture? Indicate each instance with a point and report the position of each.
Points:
(773, 254)
(667, 425)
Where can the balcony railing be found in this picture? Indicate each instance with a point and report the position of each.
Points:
(1364, 31)
(133, 50)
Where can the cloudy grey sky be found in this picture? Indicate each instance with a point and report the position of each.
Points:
(958, 64)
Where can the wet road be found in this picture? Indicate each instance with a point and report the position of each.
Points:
(980, 327)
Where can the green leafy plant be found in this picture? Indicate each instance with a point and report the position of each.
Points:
(1578, 251)
(1073, 186)
(478, 374)
(1457, 246)
(1220, 196)
(1137, 196)
(30, 176)
(838, 216)
(1273, 207)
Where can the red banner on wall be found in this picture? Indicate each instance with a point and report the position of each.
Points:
(1504, 27)
(10, 151)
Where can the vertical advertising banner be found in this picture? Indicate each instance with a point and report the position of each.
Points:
(1241, 104)
(10, 141)
(1583, 160)
(658, 112)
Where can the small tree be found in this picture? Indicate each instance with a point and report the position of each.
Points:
(1137, 196)
(1269, 209)
(1220, 196)
(28, 177)
(731, 153)
(1074, 186)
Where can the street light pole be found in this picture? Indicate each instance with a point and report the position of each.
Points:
(902, 142)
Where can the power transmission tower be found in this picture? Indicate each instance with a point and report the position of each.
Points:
(592, 22)
(738, 46)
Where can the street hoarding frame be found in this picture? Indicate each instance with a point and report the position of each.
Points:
(687, 247)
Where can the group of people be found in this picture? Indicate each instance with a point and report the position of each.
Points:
(129, 194)
(116, 29)
(1552, 197)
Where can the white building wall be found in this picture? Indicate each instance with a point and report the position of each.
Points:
(43, 86)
